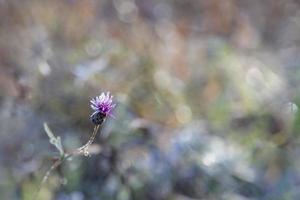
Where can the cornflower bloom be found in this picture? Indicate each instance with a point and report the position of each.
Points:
(102, 106)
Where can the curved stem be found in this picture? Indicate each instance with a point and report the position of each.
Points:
(83, 149)
(91, 140)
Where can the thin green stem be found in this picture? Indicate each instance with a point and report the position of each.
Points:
(85, 147)
(79, 151)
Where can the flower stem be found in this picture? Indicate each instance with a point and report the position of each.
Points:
(79, 151)
(85, 147)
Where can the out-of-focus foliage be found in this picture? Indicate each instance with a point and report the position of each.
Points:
(207, 97)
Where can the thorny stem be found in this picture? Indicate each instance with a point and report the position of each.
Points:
(83, 149)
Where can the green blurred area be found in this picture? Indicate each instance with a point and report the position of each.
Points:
(207, 98)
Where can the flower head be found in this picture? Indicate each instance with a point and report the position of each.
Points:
(102, 106)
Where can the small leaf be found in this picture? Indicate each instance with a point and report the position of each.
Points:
(56, 141)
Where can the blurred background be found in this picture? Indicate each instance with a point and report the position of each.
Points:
(207, 98)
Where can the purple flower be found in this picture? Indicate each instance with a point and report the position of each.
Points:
(102, 106)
